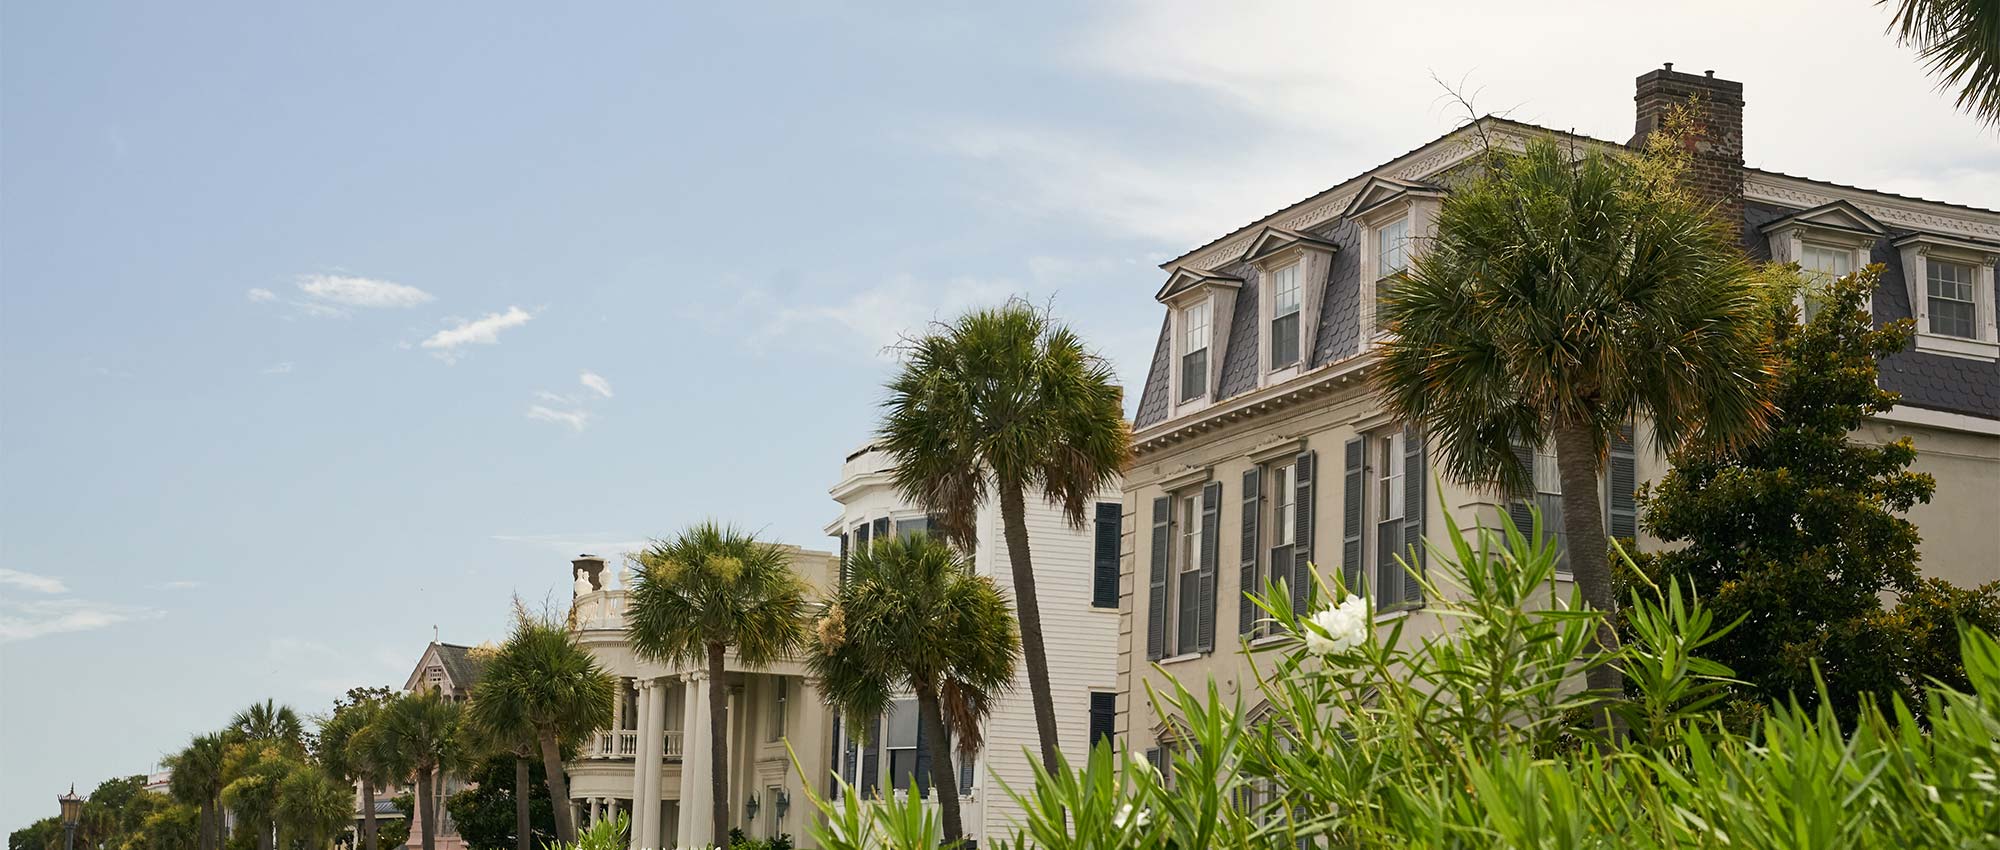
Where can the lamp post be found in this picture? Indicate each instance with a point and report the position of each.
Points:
(72, 808)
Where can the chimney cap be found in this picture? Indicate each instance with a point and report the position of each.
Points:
(1669, 66)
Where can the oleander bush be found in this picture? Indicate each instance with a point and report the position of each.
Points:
(1478, 736)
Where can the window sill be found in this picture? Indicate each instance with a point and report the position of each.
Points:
(1952, 346)
(1268, 640)
(1179, 659)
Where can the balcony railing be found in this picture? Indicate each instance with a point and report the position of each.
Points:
(604, 609)
(624, 744)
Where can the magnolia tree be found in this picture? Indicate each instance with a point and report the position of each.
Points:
(1359, 734)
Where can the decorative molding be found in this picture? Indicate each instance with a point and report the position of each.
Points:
(1904, 414)
(1909, 214)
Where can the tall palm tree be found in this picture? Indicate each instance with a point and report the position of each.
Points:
(913, 616)
(520, 744)
(347, 750)
(312, 806)
(707, 591)
(544, 686)
(1006, 400)
(1566, 291)
(197, 781)
(268, 721)
(419, 735)
(1959, 41)
(255, 769)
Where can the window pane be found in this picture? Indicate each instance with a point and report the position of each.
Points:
(1194, 376)
(900, 725)
(1952, 310)
(1190, 598)
(902, 767)
(1285, 340)
(1283, 519)
(1285, 291)
(1392, 251)
(1389, 466)
(1197, 327)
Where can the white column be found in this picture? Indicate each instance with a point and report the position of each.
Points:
(646, 697)
(649, 802)
(695, 790)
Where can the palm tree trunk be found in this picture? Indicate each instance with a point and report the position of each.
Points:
(205, 827)
(718, 747)
(267, 835)
(1014, 525)
(1583, 524)
(552, 771)
(522, 788)
(937, 739)
(426, 809)
(367, 814)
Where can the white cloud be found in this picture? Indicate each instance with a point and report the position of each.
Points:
(30, 581)
(260, 295)
(595, 543)
(483, 331)
(596, 383)
(361, 292)
(280, 368)
(575, 418)
(29, 620)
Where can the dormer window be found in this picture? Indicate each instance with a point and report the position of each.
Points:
(1950, 282)
(1194, 351)
(1285, 317)
(1392, 215)
(1822, 265)
(1828, 242)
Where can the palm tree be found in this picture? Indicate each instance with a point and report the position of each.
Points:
(197, 781)
(1960, 42)
(268, 721)
(709, 590)
(544, 686)
(419, 735)
(1565, 292)
(1009, 400)
(913, 616)
(312, 806)
(255, 769)
(520, 745)
(347, 750)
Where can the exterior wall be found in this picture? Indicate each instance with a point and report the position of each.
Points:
(611, 770)
(1961, 524)
(1082, 640)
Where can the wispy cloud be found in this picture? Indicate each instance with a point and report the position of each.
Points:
(594, 543)
(575, 418)
(42, 617)
(260, 295)
(280, 368)
(596, 383)
(361, 291)
(872, 319)
(30, 581)
(446, 344)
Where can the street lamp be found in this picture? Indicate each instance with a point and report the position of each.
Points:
(72, 808)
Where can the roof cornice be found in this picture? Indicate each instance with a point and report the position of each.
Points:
(1893, 210)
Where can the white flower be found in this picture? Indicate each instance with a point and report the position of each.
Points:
(1125, 815)
(1338, 629)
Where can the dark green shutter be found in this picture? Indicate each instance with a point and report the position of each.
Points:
(871, 760)
(1156, 586)
(1413, 513)
(922, 769)
(1302, 537)
(1520, 509)
(833, 788)
(1246, 583)
(1354, 478)
(965, 773)
(1103, 716)
(1622, 470)
(1104, 570)
(843, 559)
(1211, 528)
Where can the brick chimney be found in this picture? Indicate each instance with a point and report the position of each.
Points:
(592, 566)
(1717, 172)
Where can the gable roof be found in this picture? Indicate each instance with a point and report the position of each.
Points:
(1381, 190)
(460, 670)
(1841, 215)
(1275, 239)
(1183, 280)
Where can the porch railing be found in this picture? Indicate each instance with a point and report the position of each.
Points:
(624, 744)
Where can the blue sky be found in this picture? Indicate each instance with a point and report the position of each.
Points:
(322, 325)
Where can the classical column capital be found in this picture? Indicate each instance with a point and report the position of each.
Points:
(694, 676)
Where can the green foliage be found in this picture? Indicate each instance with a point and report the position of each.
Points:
(1457, 739)
(395, 832)
(420, 733)
(713, 585)
(607, 834)
(1959, 41)
(484, 811)
(542, 681)
(1801, 533)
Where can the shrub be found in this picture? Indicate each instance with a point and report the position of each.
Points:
(1369, 738)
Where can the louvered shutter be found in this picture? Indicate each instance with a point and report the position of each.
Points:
(871, 760)
(1413, 513)
(1622, 470)
(1302, 536)
(833, 791)
(850, 772)
(1103, 716)
(965, 765)
(922, 770)
(1520, 509)
(1156, 588)
(1211, 530)
(843, 559)
(1104, 571)
(1354, 487)
(1246, 583)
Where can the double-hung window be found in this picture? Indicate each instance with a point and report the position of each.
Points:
(781, 693)
(1187, 576)
(1194, 351)
(899, 737)
(1285, 316)
(1953, 309)
(1390, 467)
(1549, 500)
(1392, 257)
(1284, 521)
(1821, 266)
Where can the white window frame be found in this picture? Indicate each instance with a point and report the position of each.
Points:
(1197, 320)
(1419, 215)
(1185, 558)
(1789, 245)
(1268, 351)
(1220, 299)
(1917, 252)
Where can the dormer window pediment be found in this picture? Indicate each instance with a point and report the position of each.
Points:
(1379, 192)
(1951, 287)
(1828, 242)
(1185, 284)
(1277, 245)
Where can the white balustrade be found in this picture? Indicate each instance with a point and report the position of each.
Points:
(672, 749)
(604, 609)
(614, 744)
